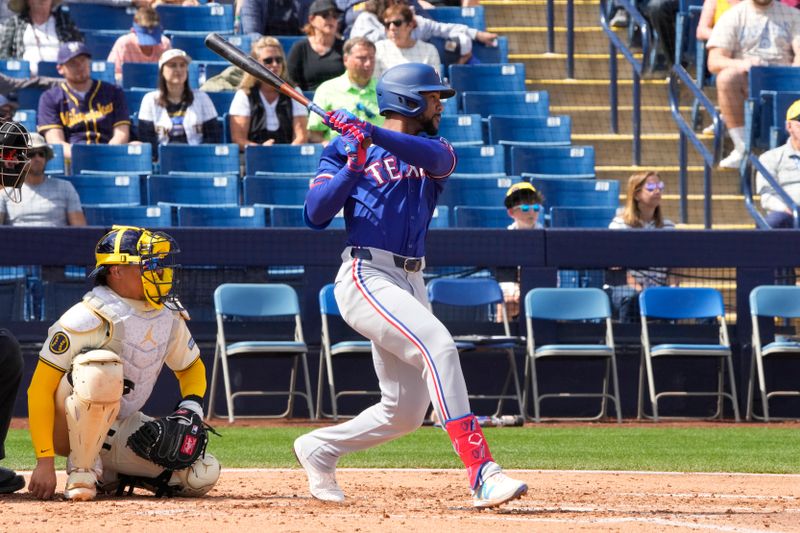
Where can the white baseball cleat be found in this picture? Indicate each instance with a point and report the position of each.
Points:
(497, 489)
(322, 485)
(81, 485)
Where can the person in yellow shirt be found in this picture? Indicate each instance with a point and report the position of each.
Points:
(98, 367)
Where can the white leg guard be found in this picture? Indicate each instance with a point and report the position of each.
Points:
(91, 409)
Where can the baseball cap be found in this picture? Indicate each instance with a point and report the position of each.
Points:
(147, 36)
(322, 6)
(71, 50)
(518, 187)
(793, 113)
(172, 54)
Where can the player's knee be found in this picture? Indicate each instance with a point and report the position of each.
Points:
(199, 478)
(97, 376)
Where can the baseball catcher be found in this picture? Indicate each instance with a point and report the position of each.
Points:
(98, 367)
(14, 145)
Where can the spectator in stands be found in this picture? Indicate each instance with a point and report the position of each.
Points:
(783, 163)
(354, 90)
(174, 113)
(46, 201)
(36, 31)
(523, 204)
(753, 32)
(12, 363)
(9, 84)
(459, 36)
(144, 43)
(272, 17)
(399, 46)
(82, 110)
(259, 114)
(712, 11)
(319, 57)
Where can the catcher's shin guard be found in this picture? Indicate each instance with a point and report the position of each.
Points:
(470, 445)
(93, 405)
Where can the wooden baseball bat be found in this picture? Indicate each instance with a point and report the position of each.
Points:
(217, 44)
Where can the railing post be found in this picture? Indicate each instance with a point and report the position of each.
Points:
(637, 118)
(707, 193)
(551, 23)
(570, 39)
(683, 178)
(612, 86)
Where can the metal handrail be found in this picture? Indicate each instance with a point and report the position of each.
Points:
(753, 164)
(686, 131)
(570, 38)
(639, 67)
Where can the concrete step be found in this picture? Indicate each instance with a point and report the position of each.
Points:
(587, 66)
(723, 181)
(581, 93)
(597, 119)
(533, 39)
(512, 13)
(725, 209)
(656, 149)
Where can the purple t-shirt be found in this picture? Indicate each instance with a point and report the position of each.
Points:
(85, 120)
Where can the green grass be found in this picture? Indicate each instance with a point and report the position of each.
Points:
(702, 449)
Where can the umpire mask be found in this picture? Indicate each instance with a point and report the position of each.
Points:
(14, 145)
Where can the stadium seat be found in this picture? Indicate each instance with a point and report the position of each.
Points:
(560, 192)
(480, 217)
(480, 160)
(194, 45)
(770, 302)
(530, 131)
(581, 217)
(199, 158)
(192, 189)
(781, 100)
(475, 191)
(209, 69)
(337, 339)
(450, 106)
(26, 117)
(274, 190)
(488, 77)
(145, 75)
(552, 161)
(474, 17)
(16, 68)
(222, 101)
(439, 219)
(199, 19)
(519, 103)
(684, 304)
(462, 130)
(282, 158)
(107, 189)
(100, 70)
(221, 216)
(491, 54)
(278, 308)
(56, 165)
(134, 97)
(88, 16)
(132, 215)
(287, 41)
(58, 296)
(285, 216)
(100, 42)
(28, 98)
(571, 305)
(12, 300)
(758, 107)
(105, 158)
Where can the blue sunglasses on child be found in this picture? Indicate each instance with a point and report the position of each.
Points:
(528, 207)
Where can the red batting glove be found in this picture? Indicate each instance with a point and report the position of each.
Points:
(353, 141)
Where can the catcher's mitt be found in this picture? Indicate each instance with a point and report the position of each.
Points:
(174, 442)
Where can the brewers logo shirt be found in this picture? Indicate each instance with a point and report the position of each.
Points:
(85, 118)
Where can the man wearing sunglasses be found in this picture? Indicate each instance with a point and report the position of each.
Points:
(45, 201)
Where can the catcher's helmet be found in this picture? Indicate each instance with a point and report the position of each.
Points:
(14, 145)
(153, 251)
(401, 87)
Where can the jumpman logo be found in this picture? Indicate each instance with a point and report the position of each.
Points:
(148, 337)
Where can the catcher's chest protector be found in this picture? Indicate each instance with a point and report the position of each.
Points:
(140, 338)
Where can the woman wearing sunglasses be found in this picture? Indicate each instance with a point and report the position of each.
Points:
(259, 114)
(318, 57)
(400, 46)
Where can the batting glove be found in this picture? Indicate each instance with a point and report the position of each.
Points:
(353, 141)
(341, 118)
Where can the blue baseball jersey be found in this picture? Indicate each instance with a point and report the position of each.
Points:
(390, 204)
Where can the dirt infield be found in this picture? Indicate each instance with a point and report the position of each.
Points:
(435, 501)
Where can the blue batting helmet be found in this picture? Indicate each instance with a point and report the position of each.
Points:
(400, 88)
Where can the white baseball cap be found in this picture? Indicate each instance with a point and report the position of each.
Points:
(172, 54)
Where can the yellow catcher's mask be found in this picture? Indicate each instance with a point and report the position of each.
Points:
(153, 251)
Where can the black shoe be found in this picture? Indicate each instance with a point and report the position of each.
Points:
(10, 481)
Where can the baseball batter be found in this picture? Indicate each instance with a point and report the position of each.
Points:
(97, 369)
(388, 192)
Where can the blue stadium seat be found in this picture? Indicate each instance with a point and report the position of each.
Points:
(491, 54)
(28, 98)
(100, 16)
(107, 189)
(221, 216)
(441, 217)
(519, 103)
(287, 41)
(100, 70)
(282, 158)
(132, 215)
(462, 130)
(105, 158)
(552, 161)
(100, 42)
(209, 69)
(286, 216)
(581, 217)
(222, 101)
(199, 158)
(194, 45)
(201, 19)
(475, 191)
(134, 98)
(758, 108)
(274, 190)
(450, 106)
(480, 160)
(56, 165)
(197, 190)
(578, 192)
(16, 68)
(530, 131)
(474, 17)
(145, 75)
(488, 77)
(781, 100)
(26, 117)
(465, 216)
